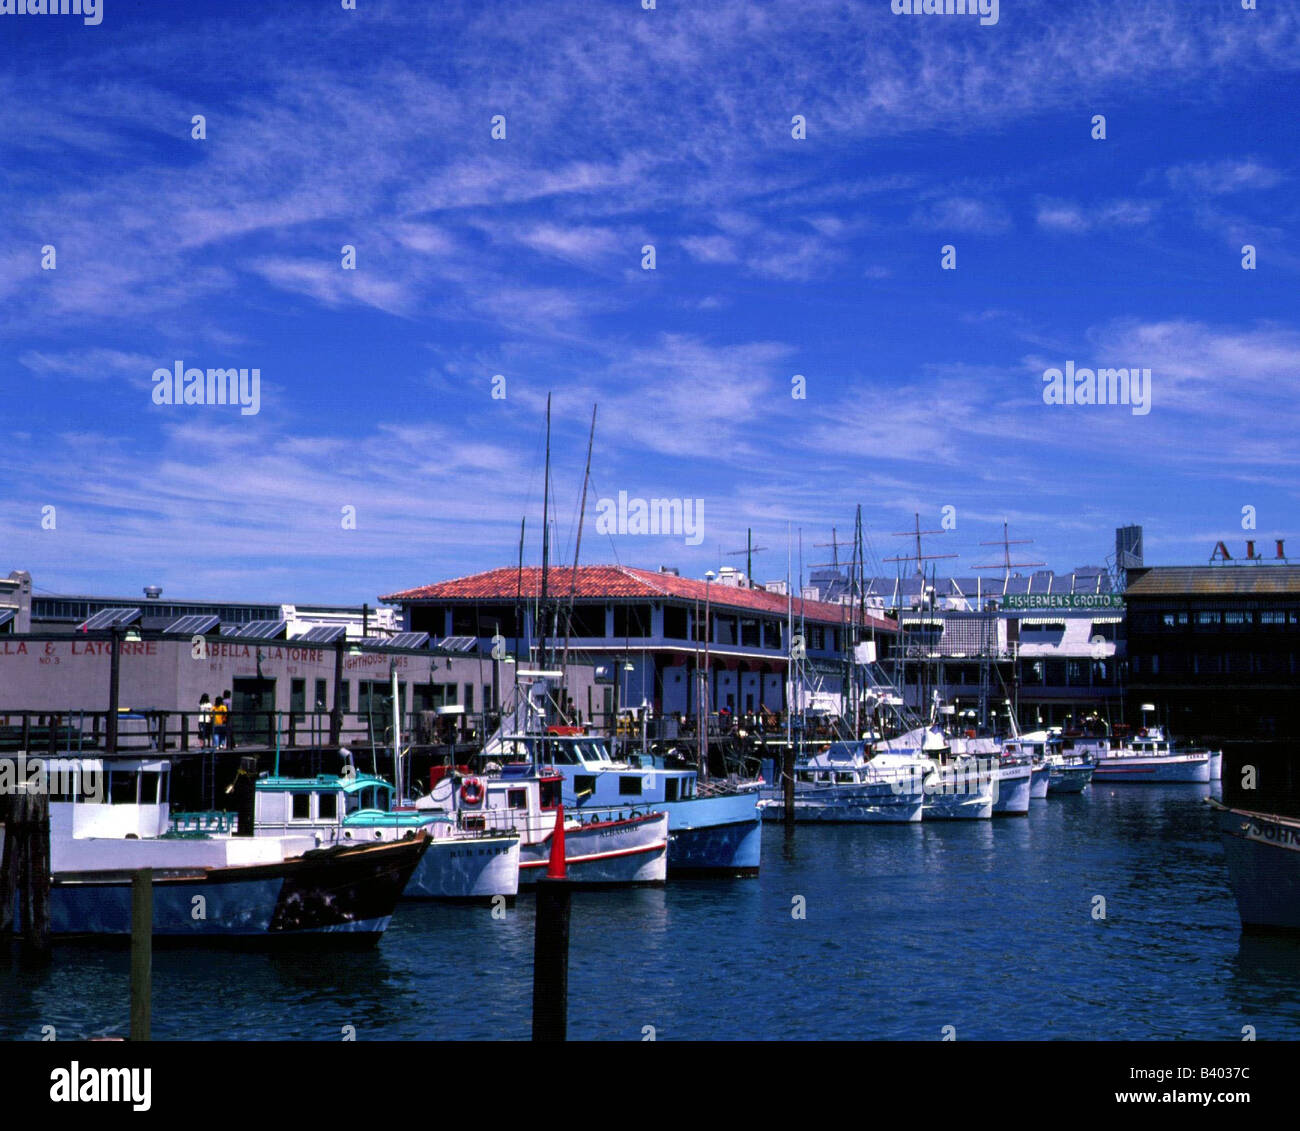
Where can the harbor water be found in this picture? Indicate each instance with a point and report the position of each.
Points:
(994, 928)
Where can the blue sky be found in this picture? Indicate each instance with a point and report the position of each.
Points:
(775, 256)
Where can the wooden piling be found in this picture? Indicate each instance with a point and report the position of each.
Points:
(551, 945)
(787, 784)
(141, 953)
(8, 870)
(29, 829)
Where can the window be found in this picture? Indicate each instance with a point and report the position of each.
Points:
(327, 806)
(302, 806)
(298, 696)
(1236, 616)
(772, 634)
(469, 698)
(517, 798)
(321, 702)
(631, 620)
(670, 789)
(674, 622)
(629, 785)
(122, 787)
(584, 785)
(749, 633)
(150, 780)
(724, 630)
(1207, 618)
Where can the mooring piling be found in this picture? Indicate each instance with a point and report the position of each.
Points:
(141, 953)
(551, 944)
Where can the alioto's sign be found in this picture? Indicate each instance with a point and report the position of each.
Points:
(1063, 601)
(1221, 552)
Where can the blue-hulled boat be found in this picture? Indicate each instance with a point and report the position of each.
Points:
(712, 829)
(110, 816)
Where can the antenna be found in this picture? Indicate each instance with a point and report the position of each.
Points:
(749, 551)
(918, 557)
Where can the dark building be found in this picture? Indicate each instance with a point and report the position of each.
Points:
(1216, 648)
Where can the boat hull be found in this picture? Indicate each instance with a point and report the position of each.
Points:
(1069, 779)
(1040, 782)
(860, 803)
(605, 853)
(1014, 787)
(342, 896)
(1153, 770)
(714, 836)
(469, 869)
(1263, 856)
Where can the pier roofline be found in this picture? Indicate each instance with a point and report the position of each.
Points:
(618, 583)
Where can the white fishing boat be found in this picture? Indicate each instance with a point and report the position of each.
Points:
(110, 817)
(843, 783)
(955, 789)
(604, 846)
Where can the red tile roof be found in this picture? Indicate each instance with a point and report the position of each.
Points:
(604, 581)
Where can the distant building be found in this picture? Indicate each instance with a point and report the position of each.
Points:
(1217, 648)
(16, 602)
(645, 631)
(66, 612)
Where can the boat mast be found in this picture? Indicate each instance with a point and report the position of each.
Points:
(397, 736)
(577, 550)
(789, 640)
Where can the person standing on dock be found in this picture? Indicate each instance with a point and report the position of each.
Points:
(220, 720)
(205, 721)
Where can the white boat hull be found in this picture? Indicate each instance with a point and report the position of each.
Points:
(605, 853)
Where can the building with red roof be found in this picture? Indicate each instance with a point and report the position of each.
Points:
(644, 629)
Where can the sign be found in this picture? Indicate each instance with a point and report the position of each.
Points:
(1082, 601)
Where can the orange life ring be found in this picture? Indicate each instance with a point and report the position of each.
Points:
(471, 791)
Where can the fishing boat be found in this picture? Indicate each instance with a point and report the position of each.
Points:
(461, 864)
(1070, 771)
(1149, 757)
(713, 828)
(606, 847)
(1263, 854)
(1031, 746)
(110, 817)
(957, 788)
(843, 783)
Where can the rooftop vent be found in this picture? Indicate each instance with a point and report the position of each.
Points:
(153, 592)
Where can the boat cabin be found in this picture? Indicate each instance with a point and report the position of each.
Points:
(592, 777)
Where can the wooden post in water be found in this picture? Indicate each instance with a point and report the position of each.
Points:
(787, 784)
(141, 953)
(29, 829)
(551, 945)
(8, 870)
